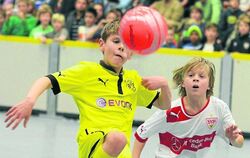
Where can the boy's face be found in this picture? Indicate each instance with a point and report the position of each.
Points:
(45, 18)
(111, 17)
(234, 4)
(58, 25)
(98, 9)
(243, 28)
(89, 19)
(80, 5)
(211, 33)
(170, 36)
(8, 8)
(196, 81)
(194, 37)
(22, 7)
(114, 52)
(196, 15)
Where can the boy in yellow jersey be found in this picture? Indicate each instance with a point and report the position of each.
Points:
(106, 96)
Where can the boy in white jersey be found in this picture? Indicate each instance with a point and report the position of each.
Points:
(188, 128)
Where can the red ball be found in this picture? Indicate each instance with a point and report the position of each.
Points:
(143, 30)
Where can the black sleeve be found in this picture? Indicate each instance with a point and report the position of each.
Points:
(55, 85)
(155, 98)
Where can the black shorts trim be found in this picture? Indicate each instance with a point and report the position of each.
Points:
(55, 85)
(93, 148)
(152, 102)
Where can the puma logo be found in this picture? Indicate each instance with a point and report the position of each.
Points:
(60, 74)
(104, 82)
(174, 114)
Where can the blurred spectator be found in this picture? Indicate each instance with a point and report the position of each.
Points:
(244, 5)
(67, 7)
(193, 39)
(187, 4)
(31, 7)
(194, 19)
(100, 11)
(59, 34)
(7, 2)
(111, 15)
(38, 3)
(8, 9)
(211, 43)
(87, 31)
(76, 19)
(44, 14)
(132, 4)
(171, 10)
(110, 5)
(228, 20)
(211, 10)
(20, 24)
(56, 5)
(119, 13)
(248, 11)
(242, 41)
(170, 38)
(2, 19)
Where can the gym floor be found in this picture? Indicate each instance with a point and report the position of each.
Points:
(47, 137)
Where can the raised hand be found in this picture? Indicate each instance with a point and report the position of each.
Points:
(232, 132)
(19, 112)
(154, 82)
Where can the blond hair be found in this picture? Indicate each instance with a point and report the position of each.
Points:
(243, 18)
(58, 17)
(179, 73)
(45, 8)
(110, 28)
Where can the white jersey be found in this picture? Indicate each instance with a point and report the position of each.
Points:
(187, 136)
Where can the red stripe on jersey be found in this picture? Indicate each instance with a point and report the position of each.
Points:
(204, 107)
(139, 138)
(195, 143)
(176, 114)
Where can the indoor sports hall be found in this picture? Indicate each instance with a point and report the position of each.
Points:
(53, 126)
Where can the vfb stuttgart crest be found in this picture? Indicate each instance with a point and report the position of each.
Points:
(211, 122)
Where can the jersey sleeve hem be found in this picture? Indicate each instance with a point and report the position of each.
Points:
(55, 85)
(152, 102)
(139, 138)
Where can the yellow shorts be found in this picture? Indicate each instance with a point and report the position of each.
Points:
(88, 141)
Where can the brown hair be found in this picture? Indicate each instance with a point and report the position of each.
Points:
(45, 8)
(110, 28)
(179, 73)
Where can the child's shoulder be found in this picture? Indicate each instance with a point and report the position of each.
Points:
(217, 102)
(87, 65)
(131, 72)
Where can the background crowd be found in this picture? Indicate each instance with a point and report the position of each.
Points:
(209, 25)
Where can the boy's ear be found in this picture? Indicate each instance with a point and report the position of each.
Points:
(130, 54)
(101, 44)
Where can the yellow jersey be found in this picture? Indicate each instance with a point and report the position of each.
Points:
(106, 100)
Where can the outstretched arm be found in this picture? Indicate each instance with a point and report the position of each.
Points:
(234, 135)
(137, 149)
(23, 109)
(158, 82)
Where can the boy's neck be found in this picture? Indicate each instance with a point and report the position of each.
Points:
(111, 68)
(194, 104)
(210, 41)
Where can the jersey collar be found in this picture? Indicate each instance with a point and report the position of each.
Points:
(110, 68)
